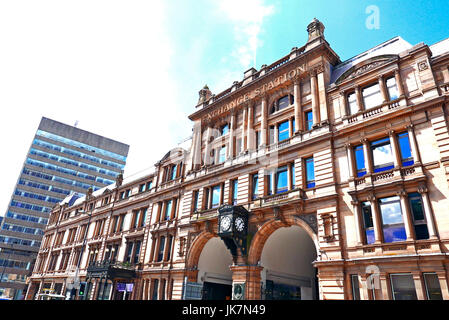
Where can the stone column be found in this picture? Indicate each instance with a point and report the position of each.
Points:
(422, 189)
(398, 78)
(250, 130)
(357, 220)
(231, 137)
(322, 94)
(207, 146)
(367, 156)
(297, 98)
(343, 107)
(443, 284)
(289, 177)
(408, 222)
(395, 149)
(413, 144)
(383, 89)
(244, 133)
(376, 218)
(384, 286)
(263, 122)
(251, 276)
(358, 96)
(276, 134)
(352, 173)
(315, 100)
(418, 285)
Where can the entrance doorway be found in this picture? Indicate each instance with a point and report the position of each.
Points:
(214, 272)
(288, 273)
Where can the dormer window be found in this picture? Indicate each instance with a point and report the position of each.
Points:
(282, 103)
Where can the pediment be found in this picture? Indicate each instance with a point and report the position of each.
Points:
(366, 66)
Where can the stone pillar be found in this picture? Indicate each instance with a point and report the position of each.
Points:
(207, 146)
(359, 100)
(322, 94)
(376, 218)
(383, 89)
(413, 144)
(250, 131)
(357, 221)
(395, 149)
(297, 98)
(367, 156)
(231, 137)
(443, 284)
(244, 133)
(352, 173)
(418, 286)
(276, 134)
(384, 286)
(422, 189)
(398, 78)
(343, 108)
(315, 100)
(289, 177)
(408, 222)
(264, 121)
(251, 276)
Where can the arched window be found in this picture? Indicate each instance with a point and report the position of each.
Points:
(281, 103)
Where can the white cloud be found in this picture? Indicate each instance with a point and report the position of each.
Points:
(247, 17)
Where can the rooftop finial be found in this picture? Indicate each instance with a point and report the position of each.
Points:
(204, 94)
(315, 29)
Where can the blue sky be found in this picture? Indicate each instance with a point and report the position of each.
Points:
(131, 70)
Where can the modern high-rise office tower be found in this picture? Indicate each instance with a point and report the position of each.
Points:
(61, 160)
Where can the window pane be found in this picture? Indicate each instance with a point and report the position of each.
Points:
(281, 180)
(359, 161)
(283, 102)
(352, 103)
(433, 288)
(283, 131)
(216, 196)
(355, 287)
(368, 222)
(255, 186)
(392, 221)
(310, 173)
(406, 152)
(293, 178)
(168, 209)
(222, 155)
(235, 186)
(392, 88)
(372, 96)
(309, 120)
(382, 155)
(224, 129)
(403, 287)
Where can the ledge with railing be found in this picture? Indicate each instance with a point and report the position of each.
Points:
(373, 112)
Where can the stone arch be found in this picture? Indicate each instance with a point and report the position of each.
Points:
(278, 94)
(262, 235)
(196, 248)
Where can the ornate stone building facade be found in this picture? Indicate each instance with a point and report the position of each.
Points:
(311, 178)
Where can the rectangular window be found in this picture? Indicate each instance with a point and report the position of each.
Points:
(149, 184)
(144, 217)
(169, 244)
(222, 155)
(234, 186)
(283, 131)
(359, 161)
(419, 219)
(161, 249)
(433, 289)
(309, 120)
(372, 96)
(403, 287)
(224, 129)
(310, 172)
(216, 195)
(258, 137)
(281, 179)
(173, 170)
(155, 289)
(271, 134)
(206, 198)
(195, 200)
(382, 155)
(292, 177)
(129, 251)
(136, 219)
(142, 187)
(392, 88)
(392, 220)
(254, 186)
(368, 222)
(138, 245)
(168, 208)
(406, 151)
(355, 287)
(352, 103)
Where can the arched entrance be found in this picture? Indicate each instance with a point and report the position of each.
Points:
(213, 269)
(286, 251)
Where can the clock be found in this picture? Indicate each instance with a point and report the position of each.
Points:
(239, 224)
(225, 224)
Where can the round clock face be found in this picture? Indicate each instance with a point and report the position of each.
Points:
(239, 224)
(225, 223)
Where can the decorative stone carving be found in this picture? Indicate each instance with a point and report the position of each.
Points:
(422, 65)
(311, 220)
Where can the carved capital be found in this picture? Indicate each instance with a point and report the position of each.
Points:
(422, 188)
(371, 197)
(401, 193)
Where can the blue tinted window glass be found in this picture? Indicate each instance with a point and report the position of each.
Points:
(235, 185)
(283, 131)
(309, 120)
(392, 220)
(255, 186)
(224, 129)
(404, 146)
(310, 170)
(281, 180)
(216, 191)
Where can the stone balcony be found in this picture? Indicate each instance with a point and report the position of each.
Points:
(278, 199)
(404, 174)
